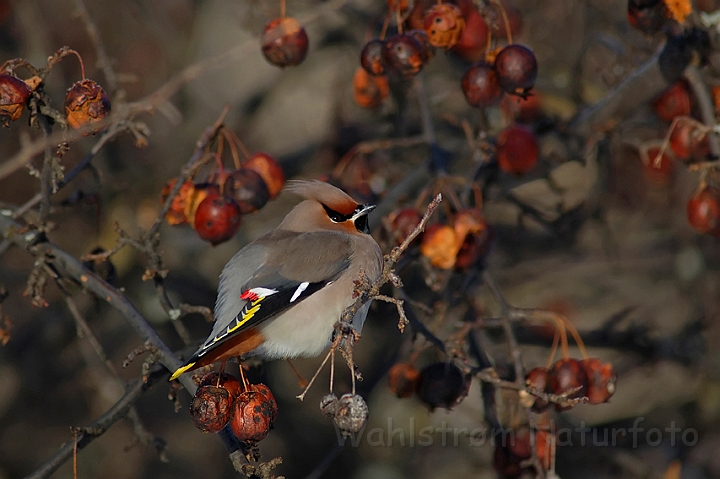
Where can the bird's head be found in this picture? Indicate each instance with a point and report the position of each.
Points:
(325, 208)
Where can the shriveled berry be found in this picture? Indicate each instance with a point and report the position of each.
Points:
(516, 68)
(270, 170)
(328, 405)
(474, 248)
(284, 42)
(86, 102)
(703, 210)
(442, 385)
(403, 379)
(176, 213)
(265, 391)
(673, 102)
(539, 379)
(601, 380)
(252, 417)
(371, 57)
(14, 94)
(517, 149)
(217, 218)
(210, 409)
(351, 413)
(567, 375)
(248, 189)
(444, 24)
(403, 56)
(544, 448)
(480, 86)
(440, 246)
(404, 222)
(369, 90)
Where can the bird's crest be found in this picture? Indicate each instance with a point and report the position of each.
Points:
(324, 193)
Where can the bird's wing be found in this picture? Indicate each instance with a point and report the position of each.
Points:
(307, 262)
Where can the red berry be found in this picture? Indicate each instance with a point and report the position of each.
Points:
(601, 380)
(517, 149)
(444, 24)
(686, 141)
(675, 101)
(14, 94)
(86, 102)
(210, 409)
(524, 109)
(471, 45)
(703, 210)
(404, 222)
(217, 218)
(369, 90)
(284, 42)
(442, 385)
(568, 375)
(176, 213)
(538, 378)
(269, 397)
(403, 379)
(516, 68)
(252, 417)
(658, 173)
(648, 16)
(371, 57)
(248, 189)
(270, 170)
(481, 86)
(403, 56)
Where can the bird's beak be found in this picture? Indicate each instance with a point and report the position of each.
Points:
(360, 219)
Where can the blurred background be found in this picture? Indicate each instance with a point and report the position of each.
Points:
(606, 241)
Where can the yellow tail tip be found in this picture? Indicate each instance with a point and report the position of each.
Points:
(181, 370)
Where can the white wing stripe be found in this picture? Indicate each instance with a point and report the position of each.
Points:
(302, 287)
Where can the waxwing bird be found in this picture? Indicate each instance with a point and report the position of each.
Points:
(280, 296)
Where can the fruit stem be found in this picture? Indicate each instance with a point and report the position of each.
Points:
(70, 51)
(386, 24)
(236, 139)
(576, 336)
(399, 26)
(508, 33)
(282, 8)
(553, 348)
(233, 147)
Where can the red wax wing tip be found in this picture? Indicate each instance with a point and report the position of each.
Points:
(249, 296)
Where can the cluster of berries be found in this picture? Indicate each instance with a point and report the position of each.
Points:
(85, 102)
(214, 208)
(437, 385)
(222, 399)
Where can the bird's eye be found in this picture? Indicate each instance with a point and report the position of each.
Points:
(335, 216)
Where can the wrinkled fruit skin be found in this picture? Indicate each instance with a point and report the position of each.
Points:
(252, 417)
(217, 218)
(568, 374)
(14, 94)
(703, 210)
(442, 385)
(403, 56)
(225, 381)
(402, 379)
(270, 170)
(444, 25)
(439, 245)
(350, 413)
(284, 42)
(210, 409)
(481, 86)
(369, 90)
(538, 378)
(516, 68)
(517, 149)
(601, 380)
(176, 213)
(248, 189)
(428, 50)
(86, 102)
